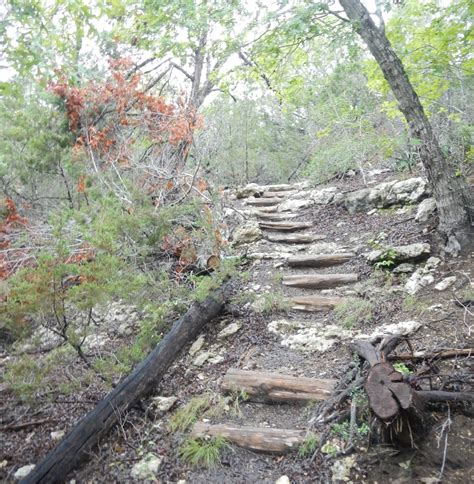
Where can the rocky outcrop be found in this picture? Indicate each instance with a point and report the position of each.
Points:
(401, 253)
(386, 194)
(425, 211)
(250, 232)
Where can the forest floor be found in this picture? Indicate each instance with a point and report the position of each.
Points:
(257, 302)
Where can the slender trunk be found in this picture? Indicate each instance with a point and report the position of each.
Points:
(451, 194)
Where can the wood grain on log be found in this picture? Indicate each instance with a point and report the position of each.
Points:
(268, 440)
(285, 226)
(79, 442)
(276, 216)
(294, 238)
(275, 387)
(428, 355)
(263, 202)
(387, 391)
(319, 281)
(315, 303)
(319, 260)
(279, 194)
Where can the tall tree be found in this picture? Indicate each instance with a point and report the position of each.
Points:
(452, 196)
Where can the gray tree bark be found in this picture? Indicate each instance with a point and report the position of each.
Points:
(451, 193)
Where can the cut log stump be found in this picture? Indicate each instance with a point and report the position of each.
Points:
(285, 226)
(263, 202)
(319, 281)
(313, 304)
(267, 440)
(294, 238)
(262, 386)
(319, 260)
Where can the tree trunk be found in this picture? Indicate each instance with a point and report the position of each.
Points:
(451, 193)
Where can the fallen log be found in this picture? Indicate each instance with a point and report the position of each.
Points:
(430, 355)
(285, 226)
(267, 440)
(263, 202)
(315, 303)
(262, 386)
(319, 260)
(77, 444)
(319, 281)
(294, 238)
(270, 209)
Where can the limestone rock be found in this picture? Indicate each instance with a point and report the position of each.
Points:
(163, 404)
(283, 480)
(201, 358)
(197, 345)
(229, 330)
(425, 210)
(248, 190)
(341, 469)
(404, 268)
(404, 328)
(23, 471)
(58, 435)
(402, 253)
(386, 194)
(294, 205)
(323, 196)
(445, 283)
(432, 263)
(307, 336)
(418, 280)
(250, 232)
(147, 467)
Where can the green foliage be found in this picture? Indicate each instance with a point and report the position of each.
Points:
(402, 368)
(354, 311)
(186, 416)
(387, 259)
(342, 430)
(274, 302)
(203, 452)
(308, 446)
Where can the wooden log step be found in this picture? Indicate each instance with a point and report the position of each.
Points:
(294, 238)
(319, 260)
(262, 386)
(314, 304)
(319, 281)
(280, 194)
(258, 439)
(283, 187)
(285, 226)
(263, 202)
(276, 216)
(269, 209)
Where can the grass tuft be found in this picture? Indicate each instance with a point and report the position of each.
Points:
(203, 452)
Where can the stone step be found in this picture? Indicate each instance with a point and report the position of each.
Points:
(319, 260)
(315, 304)
(319, 281)
(259, 439)
(294, 238)
(285, 226)
(266, 387)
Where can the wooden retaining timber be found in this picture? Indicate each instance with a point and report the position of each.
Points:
(79, 442)
(279, 194)
(269, 209)
(275, 387)
(276, 216)
(294, 238)
(258, 439)
(313, 304)
(285, 226)
(320, 260)
(263, 202)
(319, 281)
